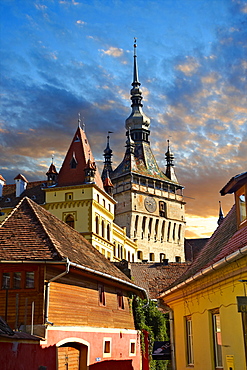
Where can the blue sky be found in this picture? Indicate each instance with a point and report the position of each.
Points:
(59, 58)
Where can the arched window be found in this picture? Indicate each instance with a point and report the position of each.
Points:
(156, 229)
(103, 228)
(179, 232)
(168, 231)
(129, 256)
(97, 224)
(114, 249)
(108, 229)
(69, 220)
(162, 209)
(163, 231)
(143, 226)
(174, 232)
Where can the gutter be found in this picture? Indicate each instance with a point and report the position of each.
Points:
(215, 266)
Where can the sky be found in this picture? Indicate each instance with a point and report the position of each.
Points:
(59, 58)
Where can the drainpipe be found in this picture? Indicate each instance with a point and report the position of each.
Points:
(171, 324)
(47, 290)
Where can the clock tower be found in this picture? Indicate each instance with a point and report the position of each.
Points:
(149, 202)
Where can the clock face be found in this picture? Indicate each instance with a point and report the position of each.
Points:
(150, 204)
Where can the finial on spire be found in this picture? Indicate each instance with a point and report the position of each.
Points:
(52, 158)
(135, 45)
(221, 215)
(79, 119)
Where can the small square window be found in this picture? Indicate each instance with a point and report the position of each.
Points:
(30, 279)
(17, 280)
(6, 280)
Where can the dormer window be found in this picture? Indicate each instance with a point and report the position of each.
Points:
(73, 162)
(7, 200)
(242, 207)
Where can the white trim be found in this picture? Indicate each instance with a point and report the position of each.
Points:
(88, 329)
(132, 353)
(106, 354)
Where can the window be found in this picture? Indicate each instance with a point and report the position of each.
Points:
(168, 231)
(242, 207)
(103, 228)
(163, 231)
(101, 290)
(30, 279)
(108, 232)
(189, 341)
(17, 280)
(151, 256)
(177, 259)
(120, 300)
(114, 249)
(150, 228)
(179, 231)
(104, 203)
(174, 232)
(98, 198)
(143, 226)
(6, 280)
(139, 255)
(162, 209)
(107, 347)
(136, 225)
(132, 351)
(97, 224)
(69, 220)
(128, 256)
(68, 196)
(217, 339)
(156, 229)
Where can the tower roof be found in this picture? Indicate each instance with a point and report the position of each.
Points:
(137, 119)
(76, 160)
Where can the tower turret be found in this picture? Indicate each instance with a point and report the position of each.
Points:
(107, 169)
(170, 173)
(138, 123)
(52, 174)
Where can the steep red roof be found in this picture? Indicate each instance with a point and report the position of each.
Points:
(79, 153)
(1, 178)
(30, 233)
(226, 240)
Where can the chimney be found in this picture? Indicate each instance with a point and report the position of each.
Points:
(21, 184)
(2, 183)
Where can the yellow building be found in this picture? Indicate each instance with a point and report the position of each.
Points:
(77, 196)
(208, 304)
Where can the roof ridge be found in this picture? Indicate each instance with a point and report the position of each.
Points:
(53, 242)
(13, 210)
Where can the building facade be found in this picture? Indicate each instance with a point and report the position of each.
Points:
(149, 202)
(208, 303)
(65, 306)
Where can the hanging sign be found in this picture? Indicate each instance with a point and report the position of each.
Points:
(242, 304)
(162, 350)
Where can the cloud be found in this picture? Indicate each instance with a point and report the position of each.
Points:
(189, 66)
(112, 51)
(81, 23)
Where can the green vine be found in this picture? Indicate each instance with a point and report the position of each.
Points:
(148, 317)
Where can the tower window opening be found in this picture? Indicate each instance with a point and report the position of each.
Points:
(179, 231)
(163, 231)
(156, 229)
(143, 226)
(174, 231)
(168, 231)
(162, 209)
(69, 220)
(151, 256)
(103, 228)
(97, 225)
(108, 231)
(139, 255)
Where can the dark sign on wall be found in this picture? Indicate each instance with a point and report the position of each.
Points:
(162, 350)
(242, 304)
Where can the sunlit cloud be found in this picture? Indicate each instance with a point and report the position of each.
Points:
(189, 67)
(112, 51)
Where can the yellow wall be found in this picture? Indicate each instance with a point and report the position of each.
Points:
(218, 289)
(87, 203)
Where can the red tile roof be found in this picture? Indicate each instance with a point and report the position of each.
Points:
(155, 277)
(226, 240)
(20, 177)
(80, 152)
(30, 233)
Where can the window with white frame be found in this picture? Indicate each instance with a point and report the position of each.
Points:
(217, 343)
(189, 341)
(132, 349)
(107, 346)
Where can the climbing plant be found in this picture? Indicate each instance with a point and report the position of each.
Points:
(148, 317)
